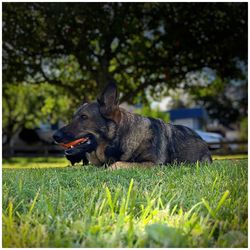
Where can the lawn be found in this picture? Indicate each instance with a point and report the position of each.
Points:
(46, 204)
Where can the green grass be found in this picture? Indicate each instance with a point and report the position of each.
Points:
(177, 206)
(35, 162)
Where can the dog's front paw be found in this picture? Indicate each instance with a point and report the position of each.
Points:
(123, 164)
(117, 165)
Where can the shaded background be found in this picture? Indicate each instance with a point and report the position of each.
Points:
(183, 62)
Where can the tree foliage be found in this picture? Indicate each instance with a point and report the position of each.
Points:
(154, 113)
(26, 105)
(153, 46)
(81, 46)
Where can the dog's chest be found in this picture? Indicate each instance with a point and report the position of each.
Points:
(105, 153)
(98, 157)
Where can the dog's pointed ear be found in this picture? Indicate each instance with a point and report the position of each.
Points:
(109, 103)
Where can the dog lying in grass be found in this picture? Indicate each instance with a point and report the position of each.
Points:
(103, 134)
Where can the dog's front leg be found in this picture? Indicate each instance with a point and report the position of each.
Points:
(77, 158)
(123, 164)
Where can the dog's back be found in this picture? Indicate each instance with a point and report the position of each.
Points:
(180, 143)
(143, 139)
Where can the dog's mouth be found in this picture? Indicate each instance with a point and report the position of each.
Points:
(81, 145)
(75, 143)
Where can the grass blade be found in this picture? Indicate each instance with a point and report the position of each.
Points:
(213, 186)
(110, 202)
(128, 194)
(33, 203)
(222, 201)
(209, 209)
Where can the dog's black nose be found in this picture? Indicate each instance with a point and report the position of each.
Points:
(58, 136)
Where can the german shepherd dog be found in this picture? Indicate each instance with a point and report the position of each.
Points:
(103, 134)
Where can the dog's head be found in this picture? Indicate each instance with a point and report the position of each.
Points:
(91, 124)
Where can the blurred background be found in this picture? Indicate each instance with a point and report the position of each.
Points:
(183, 62)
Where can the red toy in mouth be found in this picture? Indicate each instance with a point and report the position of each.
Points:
(74, 143)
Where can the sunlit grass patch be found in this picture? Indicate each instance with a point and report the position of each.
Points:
(35, 162)
(229, 157)
(178, 206)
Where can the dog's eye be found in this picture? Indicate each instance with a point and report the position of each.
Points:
(84, 117)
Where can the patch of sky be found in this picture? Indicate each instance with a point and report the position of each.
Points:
(203, 78)
(114, 44)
